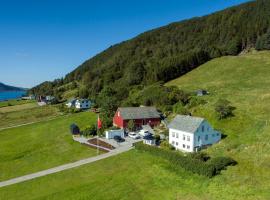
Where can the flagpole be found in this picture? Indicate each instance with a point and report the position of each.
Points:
(97, 135)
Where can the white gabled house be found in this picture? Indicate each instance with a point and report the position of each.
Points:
(82, 104)
(71, 103)
(187, 133)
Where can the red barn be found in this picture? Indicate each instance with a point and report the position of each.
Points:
(139, 115)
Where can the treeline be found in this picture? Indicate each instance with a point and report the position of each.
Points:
(169, 52)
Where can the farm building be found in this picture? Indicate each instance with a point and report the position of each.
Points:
(187, 133)
(139, 115)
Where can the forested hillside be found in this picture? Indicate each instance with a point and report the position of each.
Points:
(4, 87)
(168, 52)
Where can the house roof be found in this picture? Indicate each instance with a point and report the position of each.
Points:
(148, 137)
(186, 123)
(138, 112)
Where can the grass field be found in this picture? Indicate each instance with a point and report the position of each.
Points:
(15, 102)
(244, 80)
(26, 113)
(41, 145)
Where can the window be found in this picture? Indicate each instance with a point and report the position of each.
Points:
(188, 147)
(206, 137)
(188, 138)
(213, 135)
(199, 138)
(176, 143)
(184, 137)
(173, 142)
(177, 135)
(202, 128)
(173, 134)
(184, 146)
(217, 134)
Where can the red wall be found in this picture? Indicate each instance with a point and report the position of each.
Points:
(119, 122)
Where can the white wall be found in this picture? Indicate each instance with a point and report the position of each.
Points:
(111, 133)
(184, 141)
(181, 140)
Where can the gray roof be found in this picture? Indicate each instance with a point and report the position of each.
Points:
(139, 112)
(186, 123)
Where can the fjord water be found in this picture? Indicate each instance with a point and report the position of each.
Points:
(7, 95)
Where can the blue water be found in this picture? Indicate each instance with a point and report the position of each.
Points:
(11, 95)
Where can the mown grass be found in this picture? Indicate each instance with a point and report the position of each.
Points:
(26, 113)
(244, 80)
(42, 145)
(15, 102)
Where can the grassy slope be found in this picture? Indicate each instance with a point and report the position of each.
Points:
(26, 113)
(41, 145)
(14, 102)
(243, 80)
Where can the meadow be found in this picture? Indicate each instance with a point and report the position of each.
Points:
(26, 113)
(14, 102)
(243, 80)
(42, 145)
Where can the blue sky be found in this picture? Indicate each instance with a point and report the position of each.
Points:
(43, 40)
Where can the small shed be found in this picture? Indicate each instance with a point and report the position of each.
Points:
(149, 140)
(74, 129)
(111, 133)
(202, 92)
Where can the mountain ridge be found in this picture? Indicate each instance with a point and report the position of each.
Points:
(167, 52)
(6, 88)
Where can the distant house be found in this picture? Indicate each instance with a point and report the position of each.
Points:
(82, 104)
(30, 97)
(71, 103)
(139, 115)
(149, 140)
(187, 133)
(49, 98)
(202, 92)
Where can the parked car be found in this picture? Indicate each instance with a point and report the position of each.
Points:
(134, 135)
(144, 133)
(118, 139)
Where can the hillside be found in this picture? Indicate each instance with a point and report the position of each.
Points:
(4, 88)
(244, 80)
(165, 53)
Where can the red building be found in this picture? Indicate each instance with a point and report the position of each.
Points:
(139, 115)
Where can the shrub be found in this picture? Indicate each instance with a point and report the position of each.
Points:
(179, 108)
(190, 163)
(224, 109)
(221, 163)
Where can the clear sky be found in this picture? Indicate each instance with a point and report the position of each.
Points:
(45, 39)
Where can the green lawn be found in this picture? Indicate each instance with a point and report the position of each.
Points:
(245, 81)
(14, 102)
(42, 145)
(26, 113)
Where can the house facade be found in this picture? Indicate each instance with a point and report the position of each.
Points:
(82, 104)
(139, 115)
(190, 134)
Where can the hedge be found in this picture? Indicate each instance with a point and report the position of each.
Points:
(208, 169)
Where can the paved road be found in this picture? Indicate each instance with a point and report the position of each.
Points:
(64, 167)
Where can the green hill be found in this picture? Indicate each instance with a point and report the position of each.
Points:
(165, 53)
(244, 80)
(4, 88)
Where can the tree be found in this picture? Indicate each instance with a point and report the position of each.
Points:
(131, 125)
(224, 109)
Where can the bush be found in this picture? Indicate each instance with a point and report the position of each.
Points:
(221, 163)
(179, 108)
(90, 130)
(189, 163)
(224, 109)
(194, 101)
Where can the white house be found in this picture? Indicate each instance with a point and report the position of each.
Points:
(149, 140)
(71, 103)
(187, 133)
(82, 104)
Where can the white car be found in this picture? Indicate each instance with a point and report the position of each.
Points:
(144, 133)
(133, 135)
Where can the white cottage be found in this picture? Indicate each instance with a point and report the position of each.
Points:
(187, 133)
